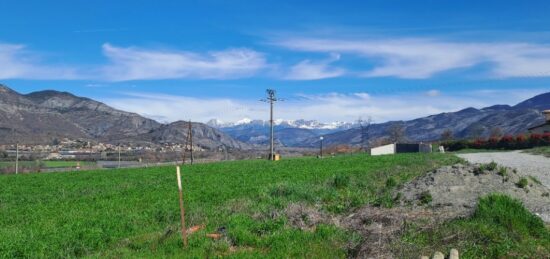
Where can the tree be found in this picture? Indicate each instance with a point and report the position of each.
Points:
(496, 132)
(447, 135)
(476, 130)
(364, 126)
(3, 154)
(396, 132)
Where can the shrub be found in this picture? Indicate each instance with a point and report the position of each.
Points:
(425, 197)
(522, 183)
(503, 171)
(491, 166)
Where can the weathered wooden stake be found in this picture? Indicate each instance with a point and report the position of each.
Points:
(182, 209)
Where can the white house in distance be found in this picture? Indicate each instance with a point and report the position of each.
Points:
(395, 148)
(543, 128)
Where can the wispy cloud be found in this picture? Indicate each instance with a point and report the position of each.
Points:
(132, 63)
(18, 62)
(423, 58)
(137, 64)
(313, 70)
(322, 107)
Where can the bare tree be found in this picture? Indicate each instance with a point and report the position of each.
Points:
(396, 132)
(476, 130)
(447, 135)
(364, 125)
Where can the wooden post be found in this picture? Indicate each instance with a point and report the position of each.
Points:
(182, 209)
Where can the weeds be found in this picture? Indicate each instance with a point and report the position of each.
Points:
(522, 183)
(425, 197)
(503, 171)
(500, 228)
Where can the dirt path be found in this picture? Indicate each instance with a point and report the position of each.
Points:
(526, 164)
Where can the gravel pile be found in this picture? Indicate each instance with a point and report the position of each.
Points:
(456, 189)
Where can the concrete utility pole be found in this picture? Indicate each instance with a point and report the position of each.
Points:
(271, 99)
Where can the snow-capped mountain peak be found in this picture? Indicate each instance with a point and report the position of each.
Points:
(301, 124)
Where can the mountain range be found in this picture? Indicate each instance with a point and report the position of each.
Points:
(41, 117)
(287, 132)
(466, 123)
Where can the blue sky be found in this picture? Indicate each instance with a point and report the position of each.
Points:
(330, 60)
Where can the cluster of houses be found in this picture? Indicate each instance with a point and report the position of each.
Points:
(68, 149)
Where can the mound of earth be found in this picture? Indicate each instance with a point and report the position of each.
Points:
(444, 194)
(456, 189)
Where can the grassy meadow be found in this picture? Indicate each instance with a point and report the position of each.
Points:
(128, 213)
(47, 164)
(135, 212)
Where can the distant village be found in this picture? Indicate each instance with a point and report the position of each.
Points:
(67, 149)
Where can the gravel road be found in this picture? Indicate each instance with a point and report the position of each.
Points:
(526, 164)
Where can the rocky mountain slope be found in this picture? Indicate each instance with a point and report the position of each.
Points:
(287, 132)
(41, 117)
(466, 123)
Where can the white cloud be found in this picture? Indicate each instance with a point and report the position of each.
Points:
(134, 64)
(309, 70)
(325, 107)
(423, 58)
(137, 64)
(17, 62)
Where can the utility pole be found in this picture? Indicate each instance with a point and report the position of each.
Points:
(119, 155)
(16, 152)
(321, 147)
(191, 141)
(271, 99)
(17, 158)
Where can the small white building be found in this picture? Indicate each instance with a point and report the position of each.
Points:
(383, 150)
(401, 148)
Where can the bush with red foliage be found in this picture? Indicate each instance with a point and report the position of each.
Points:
(507, 142)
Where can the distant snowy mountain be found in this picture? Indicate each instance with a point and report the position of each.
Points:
(300, 124)
(287, 132)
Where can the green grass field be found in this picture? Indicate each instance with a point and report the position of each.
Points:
(48, 164)
(132, 213)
